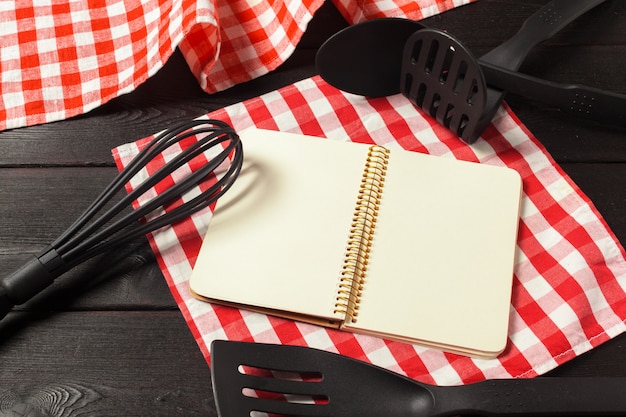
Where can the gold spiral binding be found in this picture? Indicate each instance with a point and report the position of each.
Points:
(361, 235)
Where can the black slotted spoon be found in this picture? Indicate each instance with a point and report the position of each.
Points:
(335, 385)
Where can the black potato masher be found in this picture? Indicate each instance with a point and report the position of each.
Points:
(440, 75)
(105, 225)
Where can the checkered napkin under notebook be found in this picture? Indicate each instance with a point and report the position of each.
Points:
(61, 58)
(570, 272)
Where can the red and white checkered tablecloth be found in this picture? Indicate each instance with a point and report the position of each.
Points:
(569, 291)
(65, 57)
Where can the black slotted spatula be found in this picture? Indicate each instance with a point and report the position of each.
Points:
(280, 380)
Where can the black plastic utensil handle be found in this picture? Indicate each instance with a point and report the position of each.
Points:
(535, 396)
(28, 280)
(510, 54)
(542, 25)
(6, 303)
(587, 102)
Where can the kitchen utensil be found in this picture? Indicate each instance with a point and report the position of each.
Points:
(443, 78)
(541, 25)
(366, 58)
(91, 235)
(445, 81)
(588, 102)
(297, 381)
(361, 59)
(347, 53)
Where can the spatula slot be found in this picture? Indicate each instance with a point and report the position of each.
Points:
(463, 122)
(278, 409)
(447, 118)
(255, 413)
(434, 105)
(281, 393)
(289, 398)
(421, 95)
(473, 92)
(446, 66)
(460, 77)
(416, 51)
(408, 83)
(305, 376)
(431, 57)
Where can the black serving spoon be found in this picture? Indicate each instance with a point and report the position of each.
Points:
(298, 381)
(366, 59)
(362, 59)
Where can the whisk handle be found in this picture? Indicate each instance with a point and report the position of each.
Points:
(30, 279)
(6, 304)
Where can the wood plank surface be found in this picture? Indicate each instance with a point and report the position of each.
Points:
(69, 364)
(108, 340)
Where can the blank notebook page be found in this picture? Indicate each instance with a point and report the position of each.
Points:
(278, 237)
(448, 230)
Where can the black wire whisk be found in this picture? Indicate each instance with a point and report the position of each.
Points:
(100, 229)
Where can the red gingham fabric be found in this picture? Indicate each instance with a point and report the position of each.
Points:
(66, 57)
(358, 11)
(570, 272)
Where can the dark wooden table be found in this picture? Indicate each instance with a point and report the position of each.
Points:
(108, 339)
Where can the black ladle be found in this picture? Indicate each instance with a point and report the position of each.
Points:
(285, 380)
(347, 62)
(105, 224)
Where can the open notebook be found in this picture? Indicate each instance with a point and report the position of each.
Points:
(392, 243)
